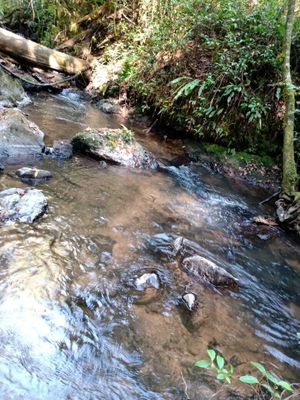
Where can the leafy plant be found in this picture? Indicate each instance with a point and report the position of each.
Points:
(268, 381)
(217, 363)
(126, 134)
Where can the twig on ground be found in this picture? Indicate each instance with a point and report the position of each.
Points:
(269, 198)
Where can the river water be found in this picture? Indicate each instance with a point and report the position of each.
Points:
(72, 325)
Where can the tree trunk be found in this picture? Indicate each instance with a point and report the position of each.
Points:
(288, 206)
(21, 48)
(289, 179)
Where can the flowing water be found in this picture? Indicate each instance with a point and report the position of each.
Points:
(71, 324)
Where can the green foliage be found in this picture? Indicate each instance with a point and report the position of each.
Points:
(217, 363)
(126, 135)
(266, 382)
(208, 67)
(238, 157)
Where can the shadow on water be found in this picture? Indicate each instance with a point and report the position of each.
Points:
(71, 324)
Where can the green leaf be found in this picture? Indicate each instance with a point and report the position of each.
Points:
(221, 377)
(202, 364)
(268, 388)
(220, 361)
(212, 354)
(251, 380)
(272, 378)
(177, 80)
(285, 385)
(259, 366)
(227, 379)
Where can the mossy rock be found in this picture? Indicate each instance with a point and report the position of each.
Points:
(116, 146)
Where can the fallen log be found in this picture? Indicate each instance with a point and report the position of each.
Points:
(37, 54)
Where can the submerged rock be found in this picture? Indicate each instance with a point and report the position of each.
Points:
(205, 271)
(19, 137)
(116, 146)
(1, 168)
(12, 93)
(24, 205)
(174, 246)
(33, 174)
(147, 280)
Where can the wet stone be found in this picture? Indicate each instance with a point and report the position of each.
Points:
(147, 280)
(109, 106)
(20, 138)
(190, 301)
(205, 271)
(33, 174)
(62, 149)
(114, 146)
(24, 205)
(105, 257)
(103, 164)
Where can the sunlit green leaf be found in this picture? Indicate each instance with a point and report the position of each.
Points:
(212, 354)
(259, 366)
(252, 380)
(268, 388)
(220, 361)
(285, 385)
(221, 377)
(202, 364)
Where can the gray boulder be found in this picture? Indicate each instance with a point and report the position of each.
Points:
(109, 106)
(62, 149)
(24, 205)
(116, 146)
(19, 137)
(12, 93)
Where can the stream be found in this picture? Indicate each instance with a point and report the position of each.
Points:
(72, 325)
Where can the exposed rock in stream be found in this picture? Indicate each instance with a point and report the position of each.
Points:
(109, 106)
(35, 174)
(190, 301)
(205, 271)
(62, 150)
(12, 93)
(116, 146)
(24, 205)
(147, 280)
(191, 260)
(19, 137)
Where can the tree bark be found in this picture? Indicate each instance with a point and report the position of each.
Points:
(288, 205)
(21, 48)
(289, 178)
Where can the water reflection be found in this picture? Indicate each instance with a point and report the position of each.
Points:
(71, 325)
